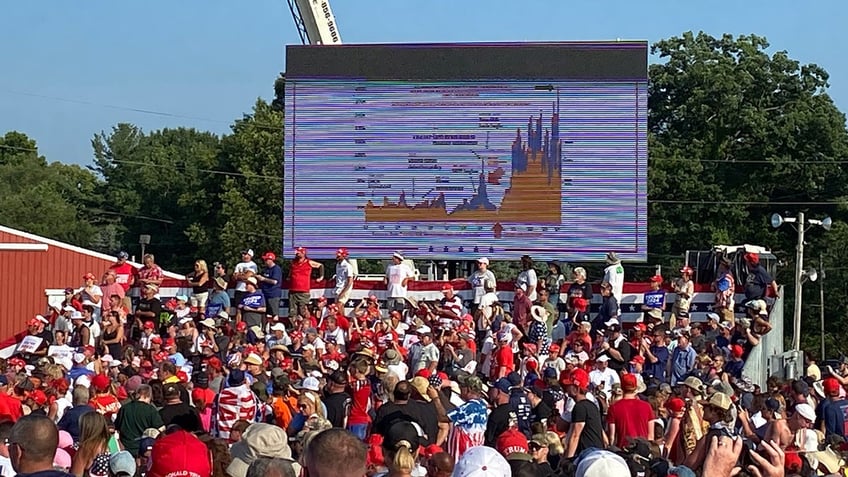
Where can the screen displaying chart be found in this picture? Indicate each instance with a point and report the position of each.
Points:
(446, 163)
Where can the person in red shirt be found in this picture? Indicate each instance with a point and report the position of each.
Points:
(360, 390)
(629, 417)
(104, 401)
(11, 409)
(124, 276)
(521, 309)
(300, 275)
(504, 358)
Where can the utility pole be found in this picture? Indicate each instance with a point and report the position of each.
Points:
(821, 301)
(799, 279)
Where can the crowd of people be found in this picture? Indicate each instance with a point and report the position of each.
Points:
(222, 382)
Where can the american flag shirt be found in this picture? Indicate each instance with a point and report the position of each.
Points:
(469, 427)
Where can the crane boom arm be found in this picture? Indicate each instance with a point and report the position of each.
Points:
(315, 22)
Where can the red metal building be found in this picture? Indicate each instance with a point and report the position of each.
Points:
(34, 271)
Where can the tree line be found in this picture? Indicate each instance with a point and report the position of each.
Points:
(735, 133)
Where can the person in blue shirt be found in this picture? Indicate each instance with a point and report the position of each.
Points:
(219, 300)
(79, 369)
(656, 356)
(70, 419)
(832, 410)
(682, 360)
(653, 299)
(269, 283)
(252, 307)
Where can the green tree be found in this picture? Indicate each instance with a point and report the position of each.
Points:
(54, 200)
(730, 123)
(252, 193)
(734, 134)
(159, 184)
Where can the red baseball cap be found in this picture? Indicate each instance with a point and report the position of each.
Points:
(447, 287)
(342, 252)
(512, 441)
(180, 454)
(752, 258)
(39, 397)
(629, 382)
(831, 386)
(675, 405)
(736, 351)
(424, 373)
(580, 378)
(101, 382)
(638, 359)
(580, 303)
(686, 269)
(553, 348)
(269, 256)
(148, 325)
(89, 276)
(156, 340)
(656, 279)
(182, 376)
(300, 250)
(215, 363)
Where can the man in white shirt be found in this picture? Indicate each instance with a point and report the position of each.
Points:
(243, 270)
(602, 377)
(429, 354)
(527, 279)
(479, 279)
(614, 275)
(344, 278)
(398, 275)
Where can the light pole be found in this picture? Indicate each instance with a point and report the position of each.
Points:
(800, 274)
(821, 304)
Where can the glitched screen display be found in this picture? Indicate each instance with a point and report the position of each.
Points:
(458, 151)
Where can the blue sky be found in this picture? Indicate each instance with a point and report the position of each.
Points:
(70, 68)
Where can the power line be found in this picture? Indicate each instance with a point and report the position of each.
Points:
(210, 171)
(743, 202)
(139, 110)
(750, 161)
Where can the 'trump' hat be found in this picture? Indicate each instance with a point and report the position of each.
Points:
(180, 454)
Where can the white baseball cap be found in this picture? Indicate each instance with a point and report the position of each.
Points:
(483, 260)
(612, 321)
(602, 358)
(806, 411)
(601, 463)
(278, 327)
(311, 384)
(482, 461)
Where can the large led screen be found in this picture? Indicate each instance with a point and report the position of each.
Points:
(459, 151)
